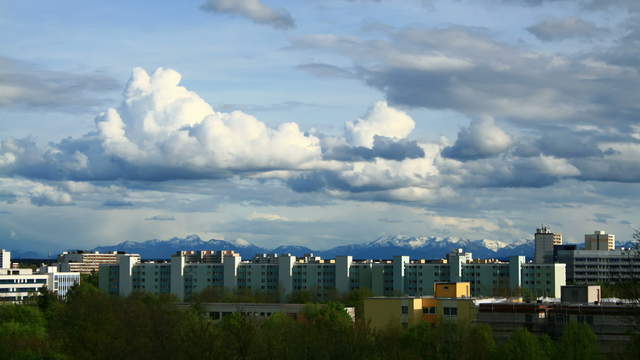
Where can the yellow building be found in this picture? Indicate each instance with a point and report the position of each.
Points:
(452, 302)
(453, 289)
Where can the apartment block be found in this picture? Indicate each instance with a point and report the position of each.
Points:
(190, 272)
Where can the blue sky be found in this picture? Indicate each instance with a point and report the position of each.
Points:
(316, 123)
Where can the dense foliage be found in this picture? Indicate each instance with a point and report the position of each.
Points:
(94, 325)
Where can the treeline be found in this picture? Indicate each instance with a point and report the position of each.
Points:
(94, 325)
(354, 298)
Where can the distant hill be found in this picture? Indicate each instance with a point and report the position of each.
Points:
(385, 247)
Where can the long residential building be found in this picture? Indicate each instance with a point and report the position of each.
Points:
(190, 272)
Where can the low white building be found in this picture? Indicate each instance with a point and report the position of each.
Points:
(17, 284)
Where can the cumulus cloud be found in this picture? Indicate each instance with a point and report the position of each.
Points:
(163, 131)
(485, 76)
(163, 123)
(571, 27)
(480, 140)
(380, 120)
(255, 10)
(44, 195)
(29, 86)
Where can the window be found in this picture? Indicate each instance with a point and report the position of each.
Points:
(429, 310)
(405, 309)
(450, 311)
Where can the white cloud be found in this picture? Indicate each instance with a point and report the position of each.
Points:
(554, 166)
(160, 123)
(45, 195)
(254, 10)
(267, 217)
(381, 120)
(480, 140)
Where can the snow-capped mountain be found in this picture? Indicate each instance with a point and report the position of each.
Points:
(162, 249)
(431, 247)
(384, 247)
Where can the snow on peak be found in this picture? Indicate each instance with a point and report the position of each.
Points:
(240, 242)
(414, 242)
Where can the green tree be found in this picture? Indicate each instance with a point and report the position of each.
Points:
(92, 278)
(523, 345)
(578, 342)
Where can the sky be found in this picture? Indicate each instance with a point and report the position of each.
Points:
(316, 123)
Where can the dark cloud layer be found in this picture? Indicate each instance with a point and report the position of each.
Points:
(383, 147)
(565, 28)
(28, 86)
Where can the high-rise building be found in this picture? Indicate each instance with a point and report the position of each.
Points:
(599, 240)
(544, 242)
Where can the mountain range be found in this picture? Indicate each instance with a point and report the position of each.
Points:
(384, 247)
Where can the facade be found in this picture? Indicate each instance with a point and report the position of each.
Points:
(599, 240)
(544, 241)
(600, 266)
(18, 284)
(5, 259)
(86, 262)
(190, 272)
(58, 281)
(217, 311)
(613, 324)
(450, 303)
(581, 294)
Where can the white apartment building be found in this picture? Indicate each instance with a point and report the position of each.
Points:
(190, 272)
(17, 284)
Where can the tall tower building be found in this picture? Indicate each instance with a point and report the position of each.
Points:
(599, 240)
(544, 242)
